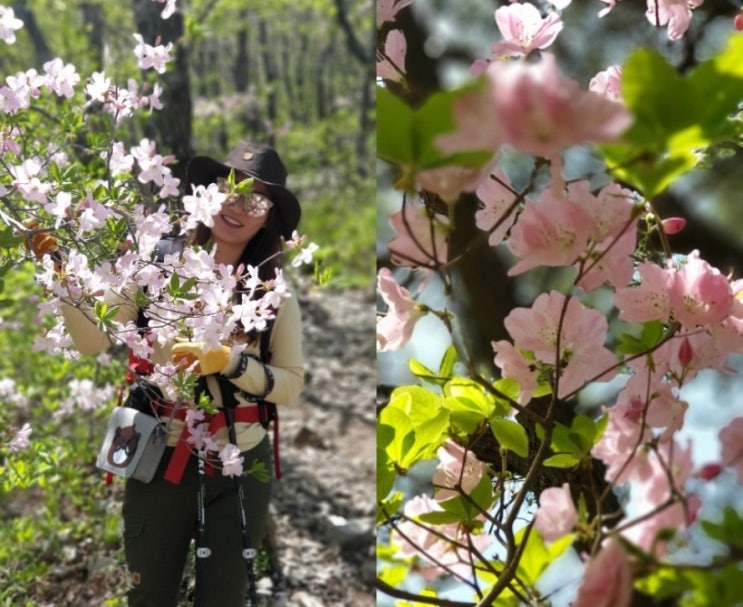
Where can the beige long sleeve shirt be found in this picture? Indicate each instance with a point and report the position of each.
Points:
(285, 348)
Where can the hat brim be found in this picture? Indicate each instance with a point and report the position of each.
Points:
(203, 170)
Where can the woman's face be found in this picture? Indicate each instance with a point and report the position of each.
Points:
(242, 216)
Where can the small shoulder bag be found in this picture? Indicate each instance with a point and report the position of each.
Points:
(133, 445)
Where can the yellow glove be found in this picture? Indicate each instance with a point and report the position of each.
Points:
(41, 243)
(210, 361)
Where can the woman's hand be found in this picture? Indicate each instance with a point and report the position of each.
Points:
(212, 360)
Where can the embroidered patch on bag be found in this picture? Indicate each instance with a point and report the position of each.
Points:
(123, 446)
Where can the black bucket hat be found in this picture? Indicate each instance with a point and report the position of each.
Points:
(255, 160)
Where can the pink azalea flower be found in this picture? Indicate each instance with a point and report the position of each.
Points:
(421, 240)
(203, 205)
(614, 235)
(580, 336)
(556, 515)
(648, 301)
(607, 581)
(232, 461)
(496, 198)
(669, 460)
(8, 25)
(731, 441)
(605, 11)
(514, 365)
(541, 112)
(689, 353)
(457, 467)
(552, 231)
(387, 9)
(608, 83)
(155, 57)
(676, 14)
(392, 66)
(524, 30)
(20, 441)
(438, 546)
(475, 130)
(618, 445)
(475, 127)
(396, 327)
(450, 181)
(61, 78)
(644, 533)
(700, 294)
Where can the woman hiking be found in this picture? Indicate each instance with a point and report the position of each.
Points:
(237, 377)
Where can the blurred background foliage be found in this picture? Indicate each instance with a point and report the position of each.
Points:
(298, 74)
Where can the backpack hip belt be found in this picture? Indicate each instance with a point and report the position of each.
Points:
(182, 452)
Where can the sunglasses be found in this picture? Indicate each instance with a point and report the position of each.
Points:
(253, 203)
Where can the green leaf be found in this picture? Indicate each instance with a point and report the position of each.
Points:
(406, 137)
(388, 507)
(419, 424)
(448, 361)
(562, 460)
(424, 373)
(563, 441)
(655, 93)
(535, 556)
(674, 115)
(468, 404)
(394, 129)
(630, 344)
(728, 531)
(105, 314)
(719, 82)
(583, 428)
(385, 468)
(511, 435)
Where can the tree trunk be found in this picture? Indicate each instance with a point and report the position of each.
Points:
(42, 52)
(171, 126)
(241, 69)
(271, 77)
(95, 24)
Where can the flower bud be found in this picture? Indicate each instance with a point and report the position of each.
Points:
(673, 225)
(709, 471)
(686, 354)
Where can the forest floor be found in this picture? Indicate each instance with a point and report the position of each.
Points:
(325, 503)
(324, 506)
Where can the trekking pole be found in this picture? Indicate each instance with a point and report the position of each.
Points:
(202, 551)
(249, 553)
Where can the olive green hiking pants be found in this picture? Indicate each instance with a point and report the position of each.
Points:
(159, 522)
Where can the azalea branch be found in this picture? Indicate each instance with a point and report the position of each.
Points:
(418, 598)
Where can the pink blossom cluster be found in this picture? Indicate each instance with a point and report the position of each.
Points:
(119, 101)
(20, 439)
(395, 328)
(9, 24)
(566, 341)
(561, 341)
(445, 549)
(148, 56)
